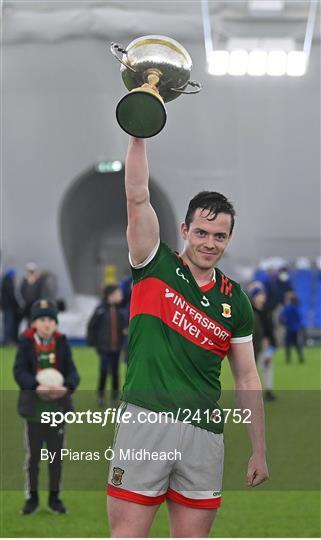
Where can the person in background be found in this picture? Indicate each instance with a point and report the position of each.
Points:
(291, 318)
(10, 307)
(42, 346)
(30, 288)
(263, 339)
(105, 333)
(258, 298)
(126, 285)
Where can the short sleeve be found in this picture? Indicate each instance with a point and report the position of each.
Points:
(147, 268)
(243, 331)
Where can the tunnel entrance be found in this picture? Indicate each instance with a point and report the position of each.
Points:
(93, 222)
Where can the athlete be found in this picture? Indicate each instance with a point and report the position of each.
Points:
(186, 316)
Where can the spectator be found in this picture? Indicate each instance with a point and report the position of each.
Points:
(105, 333)
(126, 285)
(265, 339)
(30, 288)
(291, 318)
(10, 307)
(48, 285)
(258, 298)
(42, 347)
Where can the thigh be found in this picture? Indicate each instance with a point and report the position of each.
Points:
(114, 360)
(34, 439)
(103, 361)
(128, 519)
(190, 522)
(55, 439)
(196, 481)
(135, 472)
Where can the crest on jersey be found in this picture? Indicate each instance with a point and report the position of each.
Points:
(226, 311)
(117, 476)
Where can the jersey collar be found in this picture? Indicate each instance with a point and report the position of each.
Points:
(204, 288)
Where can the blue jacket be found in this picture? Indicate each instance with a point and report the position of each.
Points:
(291, 318)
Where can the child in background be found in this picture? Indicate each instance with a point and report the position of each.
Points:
(42, 347)
(291, 318)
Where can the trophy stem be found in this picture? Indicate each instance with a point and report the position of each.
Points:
(153, 79)
(153, 76)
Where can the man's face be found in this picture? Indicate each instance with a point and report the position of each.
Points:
(45, 327)
(205, 240)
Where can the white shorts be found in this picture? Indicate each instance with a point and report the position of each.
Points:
(158, 460)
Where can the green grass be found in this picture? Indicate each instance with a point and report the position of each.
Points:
(256, 513)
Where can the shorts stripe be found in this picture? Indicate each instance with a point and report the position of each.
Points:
(138, 498)
(193, 503)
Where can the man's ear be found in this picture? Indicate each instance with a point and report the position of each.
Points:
(184, 231)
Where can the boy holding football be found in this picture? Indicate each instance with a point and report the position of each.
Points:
(47, 376)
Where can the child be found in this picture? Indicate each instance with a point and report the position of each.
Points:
(291, 318)
(41, 347)
(105, 333)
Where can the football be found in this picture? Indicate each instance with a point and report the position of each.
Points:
(50, 376)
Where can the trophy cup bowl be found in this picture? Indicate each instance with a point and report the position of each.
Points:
(155, 69)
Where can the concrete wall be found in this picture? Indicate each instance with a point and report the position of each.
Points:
(255, 139)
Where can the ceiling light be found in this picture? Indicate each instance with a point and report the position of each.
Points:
(218, 63)
(238, 62)
(276, 65)
(257, 65)
(296, 64)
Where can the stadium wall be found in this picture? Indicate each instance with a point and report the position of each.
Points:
(255, 139)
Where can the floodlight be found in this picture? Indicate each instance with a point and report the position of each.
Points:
(296, 64)
(257, 63)
(276, 65)
(218, 63)
(238, 62)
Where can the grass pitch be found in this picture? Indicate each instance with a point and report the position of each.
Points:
(244, 513)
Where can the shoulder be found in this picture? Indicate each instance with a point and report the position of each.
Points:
(26, 338)
(156, 255)
(62, 343)
(227, 286)
(59, 336)
(100, 309)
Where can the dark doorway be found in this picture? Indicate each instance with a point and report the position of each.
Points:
(93, 227)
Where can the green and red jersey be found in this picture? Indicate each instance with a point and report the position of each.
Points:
(179, 334)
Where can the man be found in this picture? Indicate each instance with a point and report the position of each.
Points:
(10, 307)
(264, 318)
(30, 288)
(105, 333)
(185, 317)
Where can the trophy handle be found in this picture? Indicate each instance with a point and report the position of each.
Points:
(198, 87)
(114, 48)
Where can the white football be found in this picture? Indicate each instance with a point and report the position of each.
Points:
(50, 376)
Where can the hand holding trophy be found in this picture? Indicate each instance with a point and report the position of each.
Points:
(155, 69)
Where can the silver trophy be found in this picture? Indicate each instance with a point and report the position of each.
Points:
(155, 69)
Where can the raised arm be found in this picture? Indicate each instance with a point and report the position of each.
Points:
(143, 227)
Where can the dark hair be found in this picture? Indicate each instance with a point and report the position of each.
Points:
(212, 201)
(108, 290)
